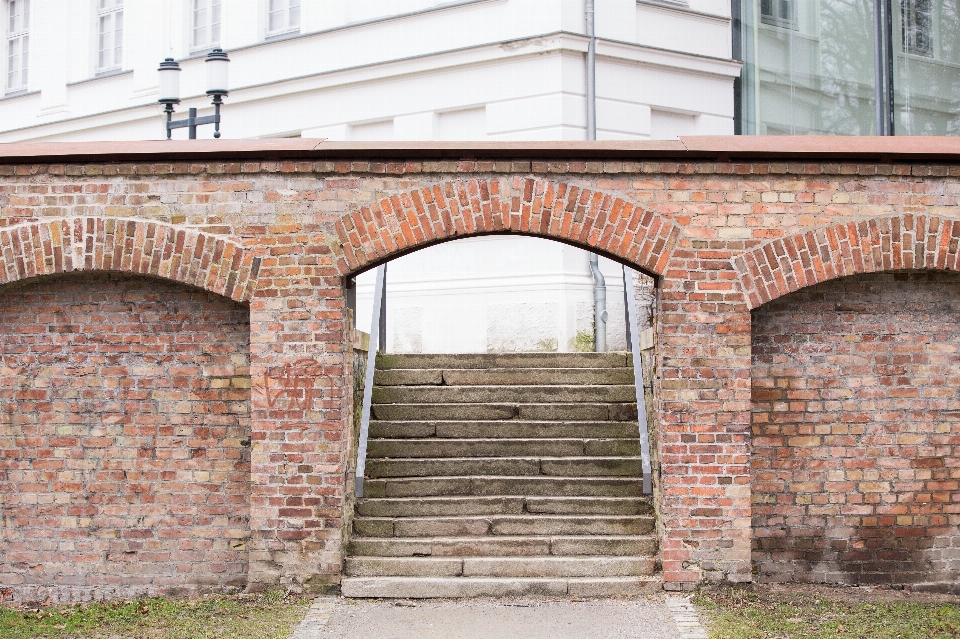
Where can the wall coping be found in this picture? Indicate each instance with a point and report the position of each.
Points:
(712, 148)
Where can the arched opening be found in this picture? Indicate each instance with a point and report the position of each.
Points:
(501, 294)
(855, 423)
(503, 443)
(125, 433)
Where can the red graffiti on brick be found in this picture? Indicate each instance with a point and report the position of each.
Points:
(297, 381)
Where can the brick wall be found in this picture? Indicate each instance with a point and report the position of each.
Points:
(722, 238)
(856, 432)
(124, 437)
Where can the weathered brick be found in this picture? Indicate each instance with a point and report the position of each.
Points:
(805, 526)
(91, 464)
(722, 237)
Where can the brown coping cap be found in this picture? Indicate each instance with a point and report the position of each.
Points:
(722, 148)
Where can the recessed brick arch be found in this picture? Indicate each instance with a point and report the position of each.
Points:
(461, 208)
(901, 242)
(62, 245)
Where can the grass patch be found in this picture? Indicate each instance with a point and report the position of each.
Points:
(772, 612)
(265, 616)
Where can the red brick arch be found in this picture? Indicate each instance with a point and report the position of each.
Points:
(899, 242)
(461, 208)
(188, 256)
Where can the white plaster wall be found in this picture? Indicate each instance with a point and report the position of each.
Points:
(411, 70)
(493, 294)
(468, 69)
(664, 27)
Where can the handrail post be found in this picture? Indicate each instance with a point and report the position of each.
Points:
(634, 337)
(379, 292)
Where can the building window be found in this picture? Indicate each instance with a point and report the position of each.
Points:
(206, 24)
(917, 27)
(284, 16)
(18, 44)
(778, 13)
(110, 30)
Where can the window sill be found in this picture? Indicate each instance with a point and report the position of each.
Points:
(18, 93)
(201, 52)
(101, 75)
(282, 35)
(683, 7)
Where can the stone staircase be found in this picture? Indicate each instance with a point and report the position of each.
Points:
(502, 475)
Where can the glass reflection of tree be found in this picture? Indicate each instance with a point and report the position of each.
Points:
(927, 86)
(846, 62)
(950, 53)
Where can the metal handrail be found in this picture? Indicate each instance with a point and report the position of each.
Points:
(375, 341)
(633, 335)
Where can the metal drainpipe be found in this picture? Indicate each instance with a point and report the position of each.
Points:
(599, 286)
(591, 74)
(599, 305)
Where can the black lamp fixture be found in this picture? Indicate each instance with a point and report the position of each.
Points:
(216, 64)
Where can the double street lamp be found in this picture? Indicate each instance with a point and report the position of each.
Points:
(216, 64)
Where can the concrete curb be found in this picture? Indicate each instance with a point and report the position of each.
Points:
(317, 617)
(685, 616)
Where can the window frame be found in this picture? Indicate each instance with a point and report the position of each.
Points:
(213, 9)
(285, 12)
(17, 33)
(777, 19)
(112, 10)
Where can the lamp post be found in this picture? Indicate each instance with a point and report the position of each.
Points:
(169, 71)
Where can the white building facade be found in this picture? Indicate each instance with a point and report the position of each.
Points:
(81, 70)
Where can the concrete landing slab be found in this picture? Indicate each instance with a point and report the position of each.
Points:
(642, 618)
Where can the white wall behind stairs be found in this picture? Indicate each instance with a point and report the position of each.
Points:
(494, 294)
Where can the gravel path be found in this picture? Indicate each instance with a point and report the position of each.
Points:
(500, 619)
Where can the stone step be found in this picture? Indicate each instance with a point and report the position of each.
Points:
(503, 376)
(511, 429)
(504, 466)
(506, 505)
(589, 505)
(502, 394)
(387, 361)
(408, 377)
(432, 587)
(518, 546)
(587, 412)
(494, 525)
(548, 566)
(436, 447)
(488, 486)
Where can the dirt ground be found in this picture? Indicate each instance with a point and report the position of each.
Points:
(845, 594)
(774, 611)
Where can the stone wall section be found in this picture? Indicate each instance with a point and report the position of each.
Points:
(711, 232)
(124, 438)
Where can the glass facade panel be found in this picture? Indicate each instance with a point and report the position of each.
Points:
(206, 24)
(283, 15)
(808, 67)
(926, 67)
(18, 44)
(199, 23)
(276, 15)
(110, 35)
